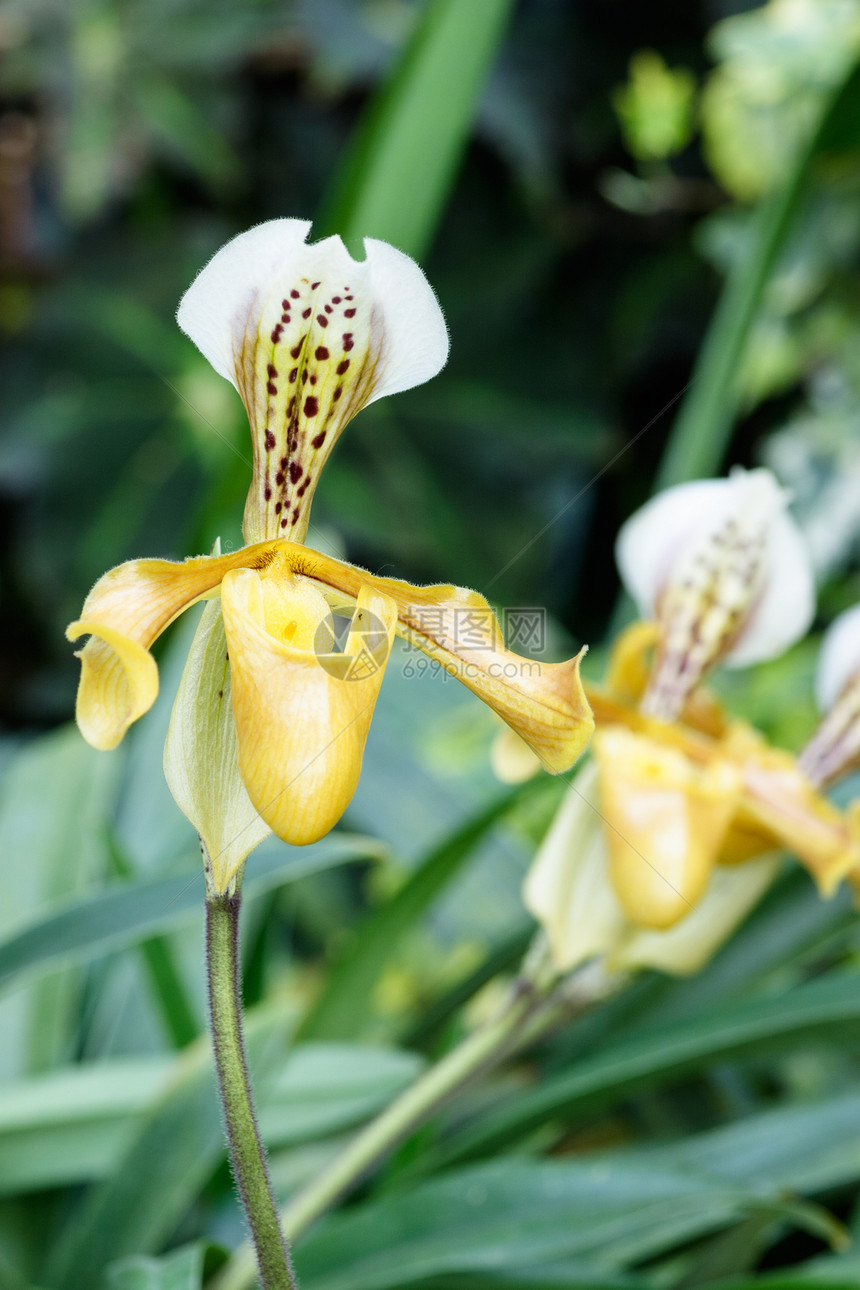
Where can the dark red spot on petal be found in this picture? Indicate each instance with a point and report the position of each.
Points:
(343, 366)
(269, 441)
(296, 472)
(271, 387)
(279, 478)
(318, 439)
(313, 379)
(349, 313)
(271, 369)
(283, 523)
(336, 300)
(293, 374)
(267, 492)
(322, 320)
(328, 309)
(296, 350)
(314, 286)
(306, 313)
(295, 515)
(291, 407)
(279, 506)
(321, 353)
(294, 294)
(312, 406)
(276, 334)
(338, 392)
(305, 377)
(348, 342)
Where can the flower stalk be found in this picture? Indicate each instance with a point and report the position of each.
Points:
(247, 1155)
(536, 1004)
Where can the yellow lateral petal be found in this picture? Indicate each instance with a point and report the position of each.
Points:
(119, 682)
(666, 821)
(543, 702)
(302, 719)
(201, 758)
(123, 614)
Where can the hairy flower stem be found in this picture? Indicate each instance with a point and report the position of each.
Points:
(532, 1009)
(246, 1150)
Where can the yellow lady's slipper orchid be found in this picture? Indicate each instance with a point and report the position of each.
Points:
(308, 336)
(673, 831)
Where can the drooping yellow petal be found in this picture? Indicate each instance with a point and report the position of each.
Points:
(119, 682)
(201, 758)
(302, 714)
(666, 821)
(123, 614)
(543, 702)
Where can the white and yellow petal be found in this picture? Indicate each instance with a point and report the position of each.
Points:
(201, 755)
(725, 570)
(308, 336)
(302, 714)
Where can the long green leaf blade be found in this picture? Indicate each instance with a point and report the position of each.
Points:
(403, 160)
(126, 913)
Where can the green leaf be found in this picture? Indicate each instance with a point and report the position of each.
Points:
(174, 1150)
(703, 427)
(128, 912)
(402, 162)
(49, 855)
(607, 1211)
(342, 1008)
(181, 1270)
(823, 1008)
(325, 1088)
(73, 1126)
(168, 987)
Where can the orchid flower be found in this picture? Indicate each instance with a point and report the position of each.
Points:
(835, 747)
(308, 336)
(675, 828)
(724, 570)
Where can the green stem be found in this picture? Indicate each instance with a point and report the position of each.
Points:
(246, 1149)
(532, 1009)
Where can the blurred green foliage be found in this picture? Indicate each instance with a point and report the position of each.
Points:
(580, 178)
